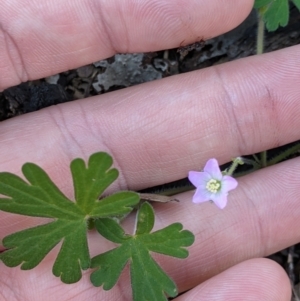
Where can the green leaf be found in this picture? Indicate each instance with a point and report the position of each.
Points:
(169, 241)
(261, 3)
(40, 197)
(90, 181)
(145, 220)
(148, 280)
(275, 13)
(297, 3)
(119, 203)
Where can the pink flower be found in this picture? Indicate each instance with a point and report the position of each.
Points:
(211, 184)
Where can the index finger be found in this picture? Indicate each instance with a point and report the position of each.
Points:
(38, 39)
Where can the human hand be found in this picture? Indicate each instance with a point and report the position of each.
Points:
(156, 133)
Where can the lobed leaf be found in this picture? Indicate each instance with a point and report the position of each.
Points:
(91, 181)
(171, 241)
(109, 266)
(275, 13)
(41, 197)
(148, 280)
(119, 203)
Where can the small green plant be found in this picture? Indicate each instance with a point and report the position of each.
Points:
(275, 13)
(70, 223)
(149, 281)
(272, 14)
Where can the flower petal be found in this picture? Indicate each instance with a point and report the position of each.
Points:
(200, 196)
(228, 183)
(199, 178)
(212, 167)
(221, 200)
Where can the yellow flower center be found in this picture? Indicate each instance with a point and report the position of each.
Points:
(213, 185)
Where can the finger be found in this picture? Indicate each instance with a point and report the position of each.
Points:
(157, 132)
(38, 40)
(258, 221)
(261, 218)
(257, 279)
(153, 146)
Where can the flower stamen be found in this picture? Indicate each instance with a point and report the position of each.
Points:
(213, 186)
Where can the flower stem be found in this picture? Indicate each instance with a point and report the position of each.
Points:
(260, 34)
(236, 162)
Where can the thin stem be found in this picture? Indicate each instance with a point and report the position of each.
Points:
(254, 163)
(283, 155)
(236, 161)
(263, 159)
(256, 159)
(260, 50)
(260, 35)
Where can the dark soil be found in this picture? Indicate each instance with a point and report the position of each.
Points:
(107, 75)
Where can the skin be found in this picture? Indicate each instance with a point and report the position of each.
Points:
(156, 133)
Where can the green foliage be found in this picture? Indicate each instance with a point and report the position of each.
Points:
(275, 13)
(149, 281)
(297, 3)
(40, 197)
(70, 221)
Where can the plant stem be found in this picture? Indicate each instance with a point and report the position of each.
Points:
(260, 50)
(260, 34)
(263, 159)
(286, 153)
(236, 161)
